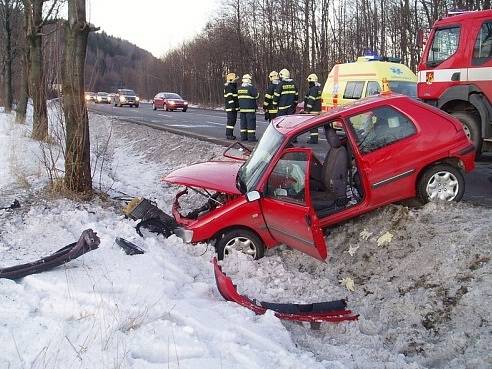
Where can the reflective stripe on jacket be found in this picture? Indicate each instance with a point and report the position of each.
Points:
(231, 102)
(312, 100)
(247, 95)
(286, 95)
(268, 102)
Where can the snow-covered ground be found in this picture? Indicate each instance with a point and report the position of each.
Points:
(424, 297)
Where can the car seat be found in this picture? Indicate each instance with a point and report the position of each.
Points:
(333, 177)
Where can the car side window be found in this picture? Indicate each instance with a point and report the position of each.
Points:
(372, 88)
(482, 50)
(353, 90)
(380, 127)
(288, 178)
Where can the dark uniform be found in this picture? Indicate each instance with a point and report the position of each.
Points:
(270, 109)
(231, 106)
(312, 104)
(285, 97)
(247, 95)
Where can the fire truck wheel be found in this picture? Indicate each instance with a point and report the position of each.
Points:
(441, 182)
(241, 240)
(471, 127)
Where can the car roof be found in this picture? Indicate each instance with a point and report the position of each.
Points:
(292, 124)
(364, 69)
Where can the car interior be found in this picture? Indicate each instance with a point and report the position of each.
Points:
(334, 180)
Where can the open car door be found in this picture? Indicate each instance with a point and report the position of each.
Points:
(286, 204)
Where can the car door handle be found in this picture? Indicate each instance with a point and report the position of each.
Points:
(308, 220)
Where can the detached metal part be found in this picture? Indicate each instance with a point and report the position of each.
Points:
(152, 218)
(88, 241)
(332, 311)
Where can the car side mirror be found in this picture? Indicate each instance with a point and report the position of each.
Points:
(253, 196)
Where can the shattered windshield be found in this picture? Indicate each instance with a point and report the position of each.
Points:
(253, 168)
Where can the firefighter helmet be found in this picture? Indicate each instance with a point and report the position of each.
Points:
(273, 75)
(312, 78)
(247, 78)
(231, 77)
(284, 73)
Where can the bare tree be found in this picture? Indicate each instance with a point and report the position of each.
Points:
(77, 158)
(7, 8)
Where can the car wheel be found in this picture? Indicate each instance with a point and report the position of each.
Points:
(184, 110)
(441, 182)
(115, 105)
(240, 240)
(471, 127)
(153, 107)
(137, 105)
(165, 107)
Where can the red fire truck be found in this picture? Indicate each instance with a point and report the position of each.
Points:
(455, 72)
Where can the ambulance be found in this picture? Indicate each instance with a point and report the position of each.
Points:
(349, 82)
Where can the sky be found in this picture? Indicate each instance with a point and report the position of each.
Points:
(153, 25)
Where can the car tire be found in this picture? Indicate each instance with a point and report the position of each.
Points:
(240, 238)
(184, 110)
(137, 105)
(153, 107)
(441, 182)
(471, 127)
(165, 107)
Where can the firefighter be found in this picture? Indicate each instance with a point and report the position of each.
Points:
(231, 104)
(248, 95)
(268, 107)
(286, 94)
(312, 103)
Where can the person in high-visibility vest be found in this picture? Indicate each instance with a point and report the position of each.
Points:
(247, 95)
(286, 94)
(270, 109)
(312, 103)
(231, 104)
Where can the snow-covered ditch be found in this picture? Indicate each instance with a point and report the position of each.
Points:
(424, 295)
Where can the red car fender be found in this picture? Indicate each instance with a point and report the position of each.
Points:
(333, 311)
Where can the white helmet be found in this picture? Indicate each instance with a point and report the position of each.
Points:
(247, 78)
(284, 73)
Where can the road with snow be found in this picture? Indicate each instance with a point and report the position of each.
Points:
(209, 125)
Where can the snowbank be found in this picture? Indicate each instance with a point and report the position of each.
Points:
(424, 297)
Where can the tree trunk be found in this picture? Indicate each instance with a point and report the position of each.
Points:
(7, 29)
(38, 88)
(21, 110)
(77, 158)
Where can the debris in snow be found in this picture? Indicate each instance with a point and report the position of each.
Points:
(365, 234)
(129, 247)
(348, 283)
(385, 239)
(352, 249)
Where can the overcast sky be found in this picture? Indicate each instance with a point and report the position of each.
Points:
(154, 25)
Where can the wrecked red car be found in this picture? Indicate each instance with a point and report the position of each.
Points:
(377, 151)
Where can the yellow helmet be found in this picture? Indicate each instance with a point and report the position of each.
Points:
(312, 78)
(284, 73)
(247, 78)
(231, 77)
(273, 75)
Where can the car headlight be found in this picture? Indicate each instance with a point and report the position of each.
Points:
(122, 98)
(137, 98)
(186, 103)
(87, 97)
(171, 102)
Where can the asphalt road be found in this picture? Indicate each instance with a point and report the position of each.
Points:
(209, 125)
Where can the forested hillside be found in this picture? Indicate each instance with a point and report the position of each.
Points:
(112, 63)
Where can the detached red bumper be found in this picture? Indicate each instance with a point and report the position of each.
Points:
(333, 311)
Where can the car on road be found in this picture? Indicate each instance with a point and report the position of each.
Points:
(169, 101)
(103, 98)
(125, 96)
(379, 150)
(90, 96)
